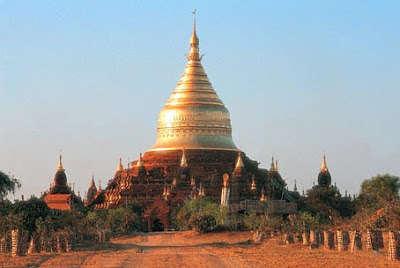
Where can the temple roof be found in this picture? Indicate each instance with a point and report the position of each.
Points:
(58, 201)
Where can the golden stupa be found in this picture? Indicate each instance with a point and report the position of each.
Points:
(194, 117)
(194, 156)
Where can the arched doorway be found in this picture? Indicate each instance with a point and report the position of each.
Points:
(158, 226)
(157, 216)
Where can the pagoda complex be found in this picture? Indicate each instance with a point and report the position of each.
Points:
(194, 156)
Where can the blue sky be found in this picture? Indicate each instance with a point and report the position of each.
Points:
(299, 78)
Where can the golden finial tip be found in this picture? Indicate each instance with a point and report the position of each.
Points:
(183, 159)
(273, 167)
(60, 165)
(194, 40)
(239, 161)
(324, 167)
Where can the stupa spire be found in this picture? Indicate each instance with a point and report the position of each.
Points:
(140, 160)
(92, 185)
(194, 41)
(183, 159)
(239, 162)
(273, 167)
(324, 167)
(60, 165)
(120, 166)
(179, 123)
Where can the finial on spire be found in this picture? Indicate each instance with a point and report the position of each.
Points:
(92, 185)
(272, 168)
(276, 163)
(324, 166)
(194, 18)
(183, 159)
(60, 165)
(194, 42)
(239, 161)
(120, 166)
(140, 160)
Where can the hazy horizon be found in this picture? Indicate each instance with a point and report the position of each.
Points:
(299, 79)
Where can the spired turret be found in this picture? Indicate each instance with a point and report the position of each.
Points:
(239, 166)
(91, 192)
(324, 177)
(194, 117)
(60, 179)
(141, 169)
(120, 166)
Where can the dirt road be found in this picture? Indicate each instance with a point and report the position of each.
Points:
(186, 249)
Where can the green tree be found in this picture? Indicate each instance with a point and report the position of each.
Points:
(253, 221)
(8, 184)
(121, 220)
(8, 220)
(303, 221)
(378, 191)
(328, 203)
(206, 223)
(191, 214)
(29, 211)
(44, 226)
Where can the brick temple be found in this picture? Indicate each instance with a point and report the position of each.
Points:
(194, 156)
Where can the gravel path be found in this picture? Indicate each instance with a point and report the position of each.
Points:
(186, 249)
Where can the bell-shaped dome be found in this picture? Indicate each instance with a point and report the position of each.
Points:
(194, 117)
(60, 179)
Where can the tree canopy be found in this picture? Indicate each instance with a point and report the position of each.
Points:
(378, 191)
(8, 184)
(328, 203)
(200, 213)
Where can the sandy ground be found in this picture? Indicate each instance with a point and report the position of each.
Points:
(186, 249)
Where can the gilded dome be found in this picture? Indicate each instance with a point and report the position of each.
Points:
(194, 117)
